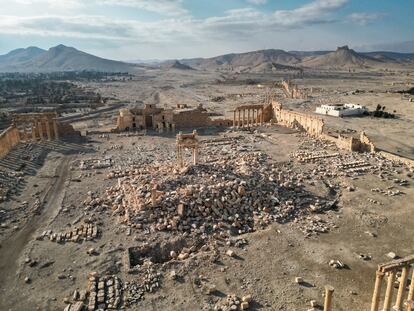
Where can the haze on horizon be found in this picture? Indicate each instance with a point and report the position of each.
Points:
(165, 29)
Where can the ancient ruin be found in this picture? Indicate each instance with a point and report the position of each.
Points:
(247, 116)
(187, 142)
(32, 127)
(208, 184)
(153, 118)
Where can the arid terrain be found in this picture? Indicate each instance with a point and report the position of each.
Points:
(269, 214)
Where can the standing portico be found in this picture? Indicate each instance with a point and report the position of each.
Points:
(248, 115)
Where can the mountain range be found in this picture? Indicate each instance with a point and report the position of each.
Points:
(63, 58)
(58, 58)
(274, 60)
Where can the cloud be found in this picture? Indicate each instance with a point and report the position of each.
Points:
(316, 12)
(234, 25)
(365, 18)
(164, 7)
(257, 2)
(58, 4)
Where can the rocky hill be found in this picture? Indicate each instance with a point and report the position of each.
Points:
(176, 65)
(59, 58)
(343, 57)
(20, 56)
(279, 60)
(244, 61)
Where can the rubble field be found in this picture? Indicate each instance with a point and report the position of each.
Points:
(264, 221)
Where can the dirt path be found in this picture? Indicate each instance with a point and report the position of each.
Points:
(12, 248)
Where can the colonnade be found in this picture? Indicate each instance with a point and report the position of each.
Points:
(37, 126)
(42, 130)
(246, 116)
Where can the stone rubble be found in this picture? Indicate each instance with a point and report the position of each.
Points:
(149, 281)
(235, 193)
(83, 232)
(234, 303)
(105, 293)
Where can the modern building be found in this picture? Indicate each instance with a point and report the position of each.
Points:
(341, 110)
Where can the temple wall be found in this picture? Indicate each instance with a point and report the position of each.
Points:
(292, 119)
(221, 122)
(192, 118)
(8, 139)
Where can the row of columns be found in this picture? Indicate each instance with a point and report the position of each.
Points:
(169, 127)
(399, 300)
(248, 117)
(37, 130)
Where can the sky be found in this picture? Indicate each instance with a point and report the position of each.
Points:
(167, 29)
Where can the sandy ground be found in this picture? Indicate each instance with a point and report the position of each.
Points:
(364, 222)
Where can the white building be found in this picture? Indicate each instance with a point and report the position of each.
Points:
(341, 110)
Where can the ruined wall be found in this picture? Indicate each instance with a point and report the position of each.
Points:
(221, 122)
(8, 139)
(191, 118)
(366, 144)
(292, 119)
(268, 113)
(397, 158)
(66, 129)
(292, 90)
(350, 143)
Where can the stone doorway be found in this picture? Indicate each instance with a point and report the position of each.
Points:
(148, 122)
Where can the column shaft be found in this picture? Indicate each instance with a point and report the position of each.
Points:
(389, 291)
(33, 132)
(328, 298)
(410, 298)
(377, 291)
(49, 134)
(39, 126)
(401, 289)
(55, 129)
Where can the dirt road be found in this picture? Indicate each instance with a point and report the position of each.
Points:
(12, 248)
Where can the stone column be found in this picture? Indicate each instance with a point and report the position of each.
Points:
(179, 156)
(239, 120)
(410, 298)
(248, 117)
(257, 117)
(388, 291)
(262, 117)
(328, 298)
(49, 134)
(401, 289)
(33, 132)
(25, 135)
(39, 125)
(154, 195)
(244, 117)
(234, 118)
(55, 129)
(195, 155)
(377, 291)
